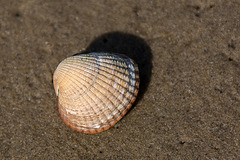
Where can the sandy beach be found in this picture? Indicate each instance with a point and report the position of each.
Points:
(188, 54)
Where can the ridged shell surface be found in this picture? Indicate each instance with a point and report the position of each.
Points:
(95, 90)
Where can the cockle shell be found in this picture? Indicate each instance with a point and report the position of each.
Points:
(95, 90)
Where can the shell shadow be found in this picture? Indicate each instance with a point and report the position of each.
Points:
(130, 45)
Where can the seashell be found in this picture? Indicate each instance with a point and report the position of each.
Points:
(95, 90)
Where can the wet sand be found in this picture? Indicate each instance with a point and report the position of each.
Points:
(188, 53)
